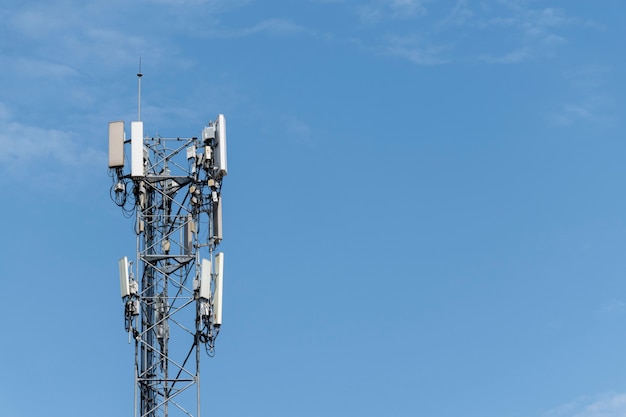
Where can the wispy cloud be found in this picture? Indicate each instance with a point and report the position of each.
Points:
(28, 148)
(589, 101)
(511, 57)
(584, 111)
(530, 32)
(299, 131)
(414, 49)
(275, 27)
(516, 30)
(607, 405)
(72, 39)
(214, 4)
(612, 308)
(459, 15)
(32, 67)
(378, 10)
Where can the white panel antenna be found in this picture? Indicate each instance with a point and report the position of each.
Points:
(191, 152)
(219, 281)
(217, 219)
(205, 279)
(136, 149)
(220, 145)
(208, 133)
(124, 277)
(116, 144)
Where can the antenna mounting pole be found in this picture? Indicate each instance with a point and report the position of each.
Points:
(139, 75)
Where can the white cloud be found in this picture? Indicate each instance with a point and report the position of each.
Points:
(31, 149)
(589, 101)
(390, 9)
(607, 405)
(272, 26)
(109, 35)
(32, 67)
(111, 45)
(76, 35)
(511, 57)
(407, 8)
(39, 22)
(275, 27)
(413, 49)
(591, 109)
(534, 31)
(612, 308)
(460, 14)
(590, 77)
(519, 31)
(299, 131)
(214, 4)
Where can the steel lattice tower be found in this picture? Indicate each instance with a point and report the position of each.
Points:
(173, 290)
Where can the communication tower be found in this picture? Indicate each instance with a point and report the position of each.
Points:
(172, 289)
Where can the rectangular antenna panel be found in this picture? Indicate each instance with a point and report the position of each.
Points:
(208, 133)
(219, 281)
(205, 279)
(124, 277)
(136, 149)
(191, 152)
(217, 219)
(188, 230)
(220, 145)
(116, 144)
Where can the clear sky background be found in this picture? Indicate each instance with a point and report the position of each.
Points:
(425, 211)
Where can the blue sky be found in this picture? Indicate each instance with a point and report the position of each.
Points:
(424, 213)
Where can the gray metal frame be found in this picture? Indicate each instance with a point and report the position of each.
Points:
(175, 205)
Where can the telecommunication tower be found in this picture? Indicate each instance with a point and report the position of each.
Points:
(172, 290)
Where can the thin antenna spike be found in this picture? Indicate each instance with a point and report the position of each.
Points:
(139, 75)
